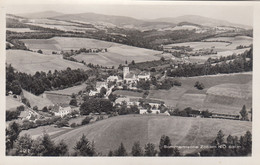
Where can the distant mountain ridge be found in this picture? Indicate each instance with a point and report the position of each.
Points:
(124, 21)
(44, 14)
(201, 20)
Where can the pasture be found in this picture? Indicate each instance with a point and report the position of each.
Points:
(11, 103)
(116, 53)
(57, 98)
(128, 93)
(69, 91)
(38, 101)
(224, 93)
(31, 62)
(108, 134)
(39, 131)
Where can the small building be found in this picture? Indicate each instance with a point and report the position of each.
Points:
(92, 93)
(144, 76)
(100, 85)
(112, 79)
(61, 110)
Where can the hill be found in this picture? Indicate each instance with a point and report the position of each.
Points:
(30, 62)
(116, 53)
(205, 21)
(44, 14)
(111, 20)
(38, 101)
(109, 133)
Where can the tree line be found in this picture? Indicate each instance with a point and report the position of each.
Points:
(235, 66)
(41, 81)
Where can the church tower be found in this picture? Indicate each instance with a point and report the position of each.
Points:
(125, 71)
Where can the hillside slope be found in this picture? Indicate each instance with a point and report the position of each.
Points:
(30, 62)
(109, 133)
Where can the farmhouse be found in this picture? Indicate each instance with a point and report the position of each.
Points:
(61, 110)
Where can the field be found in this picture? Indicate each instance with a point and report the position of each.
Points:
(224, 46)
(109, 133)
(116, 53)
(69, 91)
(202, 59)
(30, 62)
(51, 130)
(237, 89)
(128, 93)
(57, 98)
(20, 30)
(38, 101)
(12, 103)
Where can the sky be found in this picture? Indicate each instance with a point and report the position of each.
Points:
(241, 14)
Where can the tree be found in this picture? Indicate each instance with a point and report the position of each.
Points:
(73, 102)
(110, 153)
(35, 108)
(12, 133)
(121, 151)
(39, 51)
(165, 146)
(243, 113)
(45, 109)
(103, 91)
(86, 120)
(84, 147)
(43, 146)
(220, 138)
(61, 149)
(199, 85)
(137, 150)
(150, 150)
(133, 62)
(162, 59)
(23, 145)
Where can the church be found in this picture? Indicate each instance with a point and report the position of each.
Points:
(131, 77)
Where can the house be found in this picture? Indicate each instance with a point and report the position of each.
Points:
(152, 111)
(144, 76)
(129, 101)
(92, 93)
(130, 78)
(112, 79)
(61, 110)
(155, 104)
(100, 85)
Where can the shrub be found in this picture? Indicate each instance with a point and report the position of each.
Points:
(86, 120)
(199, 85)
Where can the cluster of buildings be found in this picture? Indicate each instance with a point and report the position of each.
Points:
(129, 79)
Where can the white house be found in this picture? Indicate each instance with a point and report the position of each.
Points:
(112, 79)
(61, 110)
(144, 76)
(100, 85)
(129, 101)
(92, 93)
